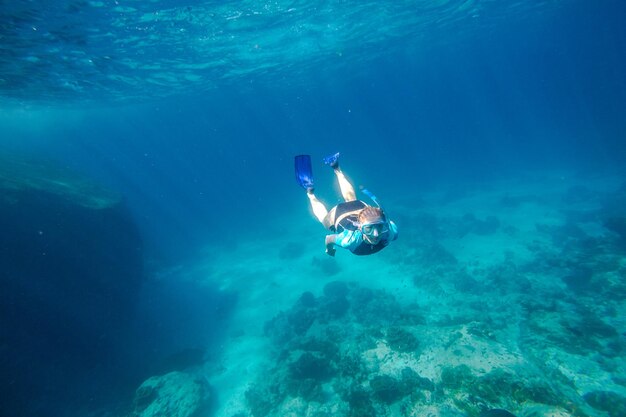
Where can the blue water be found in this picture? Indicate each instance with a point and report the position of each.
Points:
(192, 112)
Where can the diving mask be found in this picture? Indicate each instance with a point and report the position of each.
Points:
(375, 230)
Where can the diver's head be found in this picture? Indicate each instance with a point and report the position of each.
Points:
(373, 224)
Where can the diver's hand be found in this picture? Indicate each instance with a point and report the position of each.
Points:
(330, 244)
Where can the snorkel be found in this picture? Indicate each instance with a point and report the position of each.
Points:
(372, 197)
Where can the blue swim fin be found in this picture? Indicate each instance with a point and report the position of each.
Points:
(332, 160)
(304, 172)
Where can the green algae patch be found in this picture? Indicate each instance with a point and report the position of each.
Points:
(498, 388)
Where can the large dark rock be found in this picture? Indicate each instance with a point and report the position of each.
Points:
(312, 366)
(70, 272)
(176, 394)
(386, 388)
(610, 402)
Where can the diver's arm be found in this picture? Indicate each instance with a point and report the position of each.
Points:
(330, 244)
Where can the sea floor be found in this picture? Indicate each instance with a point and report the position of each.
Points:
(504, 295)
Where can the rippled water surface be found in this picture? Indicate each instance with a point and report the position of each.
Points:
(132, 49)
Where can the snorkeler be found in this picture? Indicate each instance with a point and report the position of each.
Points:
(356, 226)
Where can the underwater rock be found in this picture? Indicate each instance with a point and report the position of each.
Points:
(308, 389)
(307, 299)
(619, 380)
(334, 304)
(291, 250)
(21, 178)
(175, 394)
(507, 277)
(361, 404)
(489, 226)
(611, 402)
(336, 289)
(279, 328)
(294, 322)
(261, 401)
(386, 388)
(412, 381)
(374, 307)
(482, 329)
(350, 366)
(311, 366)
(427, 226)
(465, 283)
(579, 334)
(470, 224)
(301, 319)
(498, 385)
(496, 412)
(497, 388)
(592, 325)
(333, 308)
(327, 358)
(144, 396)
(323, 347)
(180, 360)
(578, 194)
(617, 225)
(509, 201)
(401, 340)
(579, 278)
(457, 376)
(436, 255)
(361, 296)
(72, 268)
(328, 266)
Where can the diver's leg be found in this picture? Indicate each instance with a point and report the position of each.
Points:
(347, 190)
(318, 207)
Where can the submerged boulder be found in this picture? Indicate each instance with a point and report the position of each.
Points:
(610, 402)
(176, 394)
(71, 270)
(386, 388)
